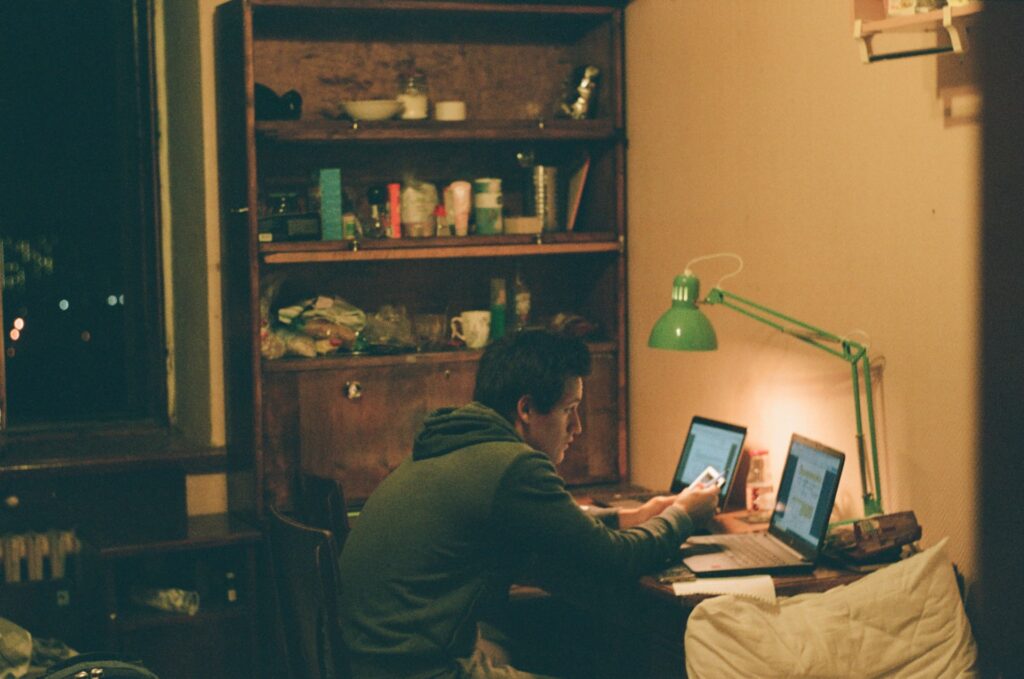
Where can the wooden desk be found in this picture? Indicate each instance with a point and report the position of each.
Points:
(636, 629)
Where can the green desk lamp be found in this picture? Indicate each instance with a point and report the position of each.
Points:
(684, 327)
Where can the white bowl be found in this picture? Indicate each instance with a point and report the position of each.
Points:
(373, 109)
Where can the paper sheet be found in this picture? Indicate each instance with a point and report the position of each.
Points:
(758, 587)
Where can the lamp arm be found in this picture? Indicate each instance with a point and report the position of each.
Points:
(852, 352)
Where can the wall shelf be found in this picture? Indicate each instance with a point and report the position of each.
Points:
(870, 20)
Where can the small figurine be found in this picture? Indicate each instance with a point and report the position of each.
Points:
(579, 107)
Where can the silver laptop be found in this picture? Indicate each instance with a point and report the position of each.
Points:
(708, 443)
(796, 530)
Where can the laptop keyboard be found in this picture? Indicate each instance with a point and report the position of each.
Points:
(755, 550)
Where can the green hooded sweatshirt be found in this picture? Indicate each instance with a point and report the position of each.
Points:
(443, 536)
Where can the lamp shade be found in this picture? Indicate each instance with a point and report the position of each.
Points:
(684, 327)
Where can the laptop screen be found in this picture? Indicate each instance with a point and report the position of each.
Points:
(806, 495)
(709, 442)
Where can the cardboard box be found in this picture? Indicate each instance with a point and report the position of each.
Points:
(329, 180)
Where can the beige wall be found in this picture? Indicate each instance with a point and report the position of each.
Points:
(853, 198)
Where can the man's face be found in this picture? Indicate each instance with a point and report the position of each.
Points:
(551, 433)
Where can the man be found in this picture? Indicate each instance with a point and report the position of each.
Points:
(440, 540)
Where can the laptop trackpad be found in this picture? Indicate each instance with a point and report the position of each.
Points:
(688, 549)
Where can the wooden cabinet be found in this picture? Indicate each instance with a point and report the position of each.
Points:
(121, 500)
(214, 560)
(354, 416)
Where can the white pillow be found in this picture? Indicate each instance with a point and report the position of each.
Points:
(905, 620)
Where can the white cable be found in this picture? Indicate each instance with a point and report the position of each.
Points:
(857, 331)
(688, 272)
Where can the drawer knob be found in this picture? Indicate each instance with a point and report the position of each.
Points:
(353, 390)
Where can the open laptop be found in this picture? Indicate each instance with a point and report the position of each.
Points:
(708, 443)
(797, 526)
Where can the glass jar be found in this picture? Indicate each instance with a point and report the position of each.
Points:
(412, 92)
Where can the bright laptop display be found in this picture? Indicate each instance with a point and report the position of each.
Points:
(709, 443)
(796, 530)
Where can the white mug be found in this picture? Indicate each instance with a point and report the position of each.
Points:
(473, 328)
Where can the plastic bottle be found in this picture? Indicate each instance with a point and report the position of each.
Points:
(498, 307)
(394, 226)
(760, 490)
(521, 297)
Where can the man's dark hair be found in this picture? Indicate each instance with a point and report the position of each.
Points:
(534, 363)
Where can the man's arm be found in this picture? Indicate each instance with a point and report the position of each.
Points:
(532, 508)
(698, 503)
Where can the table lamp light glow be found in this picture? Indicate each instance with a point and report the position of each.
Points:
(684, 327)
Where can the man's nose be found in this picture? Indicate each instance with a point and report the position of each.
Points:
(576, 423)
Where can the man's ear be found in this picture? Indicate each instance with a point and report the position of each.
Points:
(524, 407)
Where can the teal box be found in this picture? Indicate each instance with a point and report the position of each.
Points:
(330, 204)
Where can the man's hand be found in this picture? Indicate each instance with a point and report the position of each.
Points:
(699, 501)
(634, 516)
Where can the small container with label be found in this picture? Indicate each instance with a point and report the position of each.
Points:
(487, 206)
(760, 489)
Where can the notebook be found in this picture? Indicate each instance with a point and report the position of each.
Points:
(796, 530)
(708, 443)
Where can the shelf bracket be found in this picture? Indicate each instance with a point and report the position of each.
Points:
(957, 40)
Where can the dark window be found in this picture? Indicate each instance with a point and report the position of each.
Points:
(82, 329)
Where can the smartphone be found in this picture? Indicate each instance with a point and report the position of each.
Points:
(710, 475)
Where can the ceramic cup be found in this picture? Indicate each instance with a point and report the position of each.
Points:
(473, 328)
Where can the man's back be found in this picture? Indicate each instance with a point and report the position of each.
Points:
(442, 536)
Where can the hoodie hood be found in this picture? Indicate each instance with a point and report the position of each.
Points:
(450, 429)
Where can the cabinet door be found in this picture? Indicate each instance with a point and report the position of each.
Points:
(357, 424)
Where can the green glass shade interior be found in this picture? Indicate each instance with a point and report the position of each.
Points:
(684, 327)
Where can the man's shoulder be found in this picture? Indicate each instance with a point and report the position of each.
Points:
(499, 452)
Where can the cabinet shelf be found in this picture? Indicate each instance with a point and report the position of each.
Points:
(309, 252)
(449, 6)
(139, 619)
(296, 364)
(326, 131)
